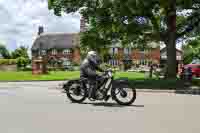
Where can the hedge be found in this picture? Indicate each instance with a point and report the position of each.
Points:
(8, 61)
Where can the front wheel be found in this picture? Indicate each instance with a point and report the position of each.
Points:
(124, 96)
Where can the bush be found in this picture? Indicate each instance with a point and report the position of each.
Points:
(8, 61)
(27, 68)
(75, 64)
(22, 62)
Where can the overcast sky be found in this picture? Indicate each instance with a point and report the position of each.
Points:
(19, 21)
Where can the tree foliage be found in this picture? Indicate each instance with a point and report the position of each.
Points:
(22, 51)
(136, 21)
(21, 55)
(4, 52)
(192, 50)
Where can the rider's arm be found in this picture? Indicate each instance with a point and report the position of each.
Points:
(91, 73)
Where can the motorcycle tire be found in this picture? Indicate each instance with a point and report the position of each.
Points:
(74, 100)
(114, 96)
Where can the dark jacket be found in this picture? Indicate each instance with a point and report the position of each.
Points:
(88, 70)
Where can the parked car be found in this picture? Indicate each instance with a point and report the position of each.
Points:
(195, 69)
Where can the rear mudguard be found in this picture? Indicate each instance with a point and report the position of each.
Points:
(67, 84)
(120, 83)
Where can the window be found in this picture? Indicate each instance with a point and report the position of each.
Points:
(66, 62)
(54, 52)
(67, 51)
(115, 50)
(127, 51)
(43, 52)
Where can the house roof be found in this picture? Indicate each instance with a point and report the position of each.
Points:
(56, 40)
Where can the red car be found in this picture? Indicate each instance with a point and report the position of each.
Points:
(195, 69)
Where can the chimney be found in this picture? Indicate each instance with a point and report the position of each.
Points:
(40, 30)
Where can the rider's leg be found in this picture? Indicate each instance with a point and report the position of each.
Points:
(92, 89)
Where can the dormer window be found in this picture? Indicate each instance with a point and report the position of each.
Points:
(54, 52)
(67, 51)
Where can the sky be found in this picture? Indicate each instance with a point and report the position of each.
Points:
(20, 19)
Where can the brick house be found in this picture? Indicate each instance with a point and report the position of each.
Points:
(136, 56)
(48, 47)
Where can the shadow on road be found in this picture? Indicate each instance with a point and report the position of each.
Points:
(105, 104)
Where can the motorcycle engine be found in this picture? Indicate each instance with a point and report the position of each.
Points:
(99, 95)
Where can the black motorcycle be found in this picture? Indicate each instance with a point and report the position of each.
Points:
(119, 90)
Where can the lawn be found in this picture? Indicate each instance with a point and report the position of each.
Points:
(138, 80)
(12, 76)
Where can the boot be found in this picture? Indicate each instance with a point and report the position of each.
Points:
(91, 96)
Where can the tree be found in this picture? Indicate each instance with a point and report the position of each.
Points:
(92, 41)
(4, 52)
(131, 21)
(22, 51)
(191, 50)
(21, 54)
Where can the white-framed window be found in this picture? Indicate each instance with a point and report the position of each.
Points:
(43, 52)
(54, 51)
(113, 51)
(67, 51)
(66, 62)
(127, 51)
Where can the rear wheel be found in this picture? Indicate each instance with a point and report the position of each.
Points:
(124, 96)
(75, 93)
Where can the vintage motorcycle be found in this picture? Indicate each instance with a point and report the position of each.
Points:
(119, 90)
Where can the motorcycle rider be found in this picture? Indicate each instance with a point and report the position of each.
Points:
(88, 70)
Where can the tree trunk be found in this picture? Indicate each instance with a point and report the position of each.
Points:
(171, 41)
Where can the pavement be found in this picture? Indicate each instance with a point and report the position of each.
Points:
(40, 107)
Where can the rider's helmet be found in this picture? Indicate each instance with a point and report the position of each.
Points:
(93, 58)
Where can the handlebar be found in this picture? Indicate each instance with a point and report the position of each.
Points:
(110, 70)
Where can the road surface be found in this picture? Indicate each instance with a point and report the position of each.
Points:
(39, 107)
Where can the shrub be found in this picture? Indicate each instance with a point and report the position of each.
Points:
(75, 64)
(8, 61)
(22, 62)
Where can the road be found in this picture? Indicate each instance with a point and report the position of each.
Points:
(39, 107)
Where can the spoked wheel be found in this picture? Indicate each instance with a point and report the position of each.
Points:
(76, 94)
(124, 96)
